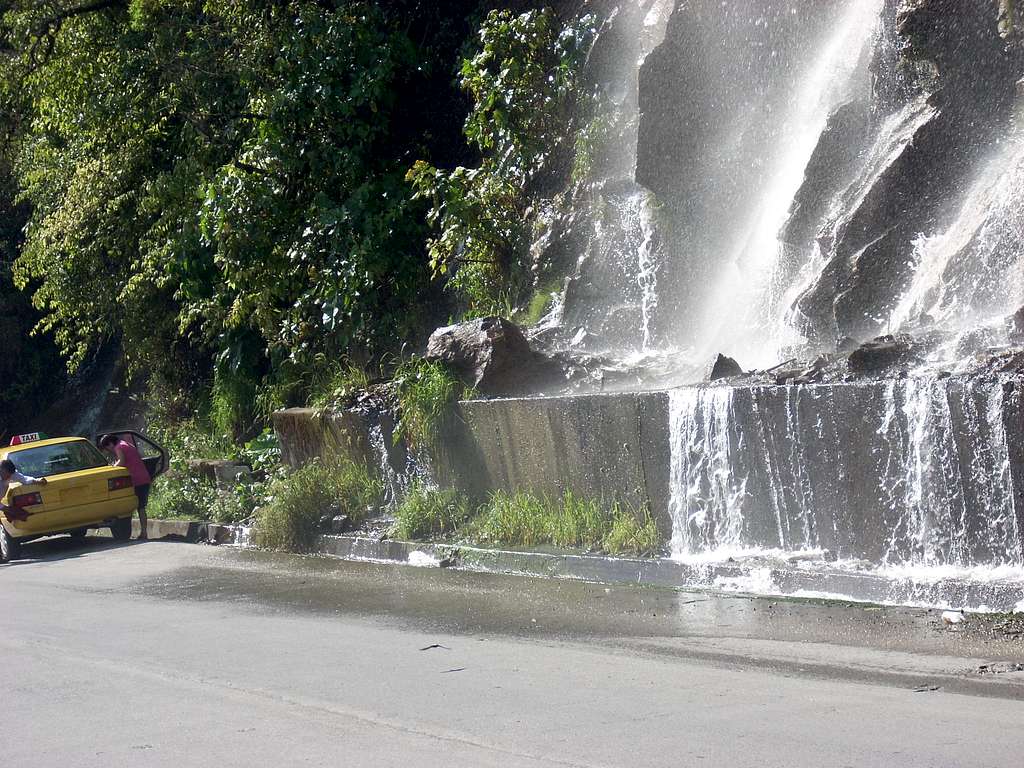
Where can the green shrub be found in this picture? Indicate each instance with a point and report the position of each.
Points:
(231, 506)
(189, 440)
(630, 536)
(179, 497)
(429, 512)
(524, 83)
(262, 453)
(233, 403)
(297, 503)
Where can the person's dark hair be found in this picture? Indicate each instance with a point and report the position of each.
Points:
(8, 466)
(108, 440)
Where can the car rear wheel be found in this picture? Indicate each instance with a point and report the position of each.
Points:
(10, 548)
(121, 529)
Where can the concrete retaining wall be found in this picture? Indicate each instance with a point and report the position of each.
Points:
(608, 446)
(928, 470)
(305, 434)
(613, 447)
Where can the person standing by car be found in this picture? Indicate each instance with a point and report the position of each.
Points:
(10, 474)
(127, 456)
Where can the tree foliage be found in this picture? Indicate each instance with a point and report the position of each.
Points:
(220, 186)
(523, 80)
(211, 171)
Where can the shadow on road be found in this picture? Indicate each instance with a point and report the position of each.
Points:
(55, 548)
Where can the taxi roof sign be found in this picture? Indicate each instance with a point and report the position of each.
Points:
(28, 437)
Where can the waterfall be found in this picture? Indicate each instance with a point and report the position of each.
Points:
(706, 495)
(748, 311)
(970, 273)
(909, 473)
(956, 505)
(398, 466)
(395, 483)
(647, 272)
(933, 511)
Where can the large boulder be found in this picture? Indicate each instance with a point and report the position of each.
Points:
(492, 355)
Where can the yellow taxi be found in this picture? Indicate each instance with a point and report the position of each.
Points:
(82, 489)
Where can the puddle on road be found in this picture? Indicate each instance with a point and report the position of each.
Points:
(474, 603)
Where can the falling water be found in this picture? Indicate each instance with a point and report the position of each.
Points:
(790, 469)
(647, 271)
(931, 530)
(971, 273)
(948, 466)
(748, 309)
(396, 483)
(706, 500)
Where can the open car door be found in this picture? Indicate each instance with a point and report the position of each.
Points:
(154, 455)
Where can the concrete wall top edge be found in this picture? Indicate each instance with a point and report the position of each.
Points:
(658, 393)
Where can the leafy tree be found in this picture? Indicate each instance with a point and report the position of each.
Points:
(219, 186)
(523, 81)
(209, 177)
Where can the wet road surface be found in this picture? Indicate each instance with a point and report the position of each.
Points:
(175, 655)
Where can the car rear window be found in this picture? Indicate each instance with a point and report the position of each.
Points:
(58, 459)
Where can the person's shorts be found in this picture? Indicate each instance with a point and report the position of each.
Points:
(142, 492)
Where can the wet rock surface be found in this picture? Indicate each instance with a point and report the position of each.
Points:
(493, 356)
(881, 354)
(930, 128)
(722, 367)
(221, 471)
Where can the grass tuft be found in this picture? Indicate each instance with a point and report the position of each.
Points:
(337, 385)
(513, 519)
(632, 536)
(429, 512)
(577, 522)
(426, 393)
(292, 518)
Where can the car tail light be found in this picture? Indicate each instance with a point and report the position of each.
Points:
(118, 483)
(28, 500)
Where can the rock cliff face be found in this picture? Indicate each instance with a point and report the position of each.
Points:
(793, 159)
(952, 111)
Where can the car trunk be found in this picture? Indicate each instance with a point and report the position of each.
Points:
(68, 498)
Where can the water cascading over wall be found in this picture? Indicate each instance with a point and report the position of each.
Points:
(789, 173)
(906, 472)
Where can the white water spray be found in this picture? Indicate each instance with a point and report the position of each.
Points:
(748, 310)
(647, 272)
(970, 274)
(706, 494)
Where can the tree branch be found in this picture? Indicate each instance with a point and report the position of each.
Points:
(53, 23)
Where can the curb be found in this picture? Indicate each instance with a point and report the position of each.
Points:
(751, 578)
(764, 578)
(188, 531)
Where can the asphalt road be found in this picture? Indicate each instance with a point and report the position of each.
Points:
(175, 655)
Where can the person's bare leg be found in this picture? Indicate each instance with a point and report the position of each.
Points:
(143, 531)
